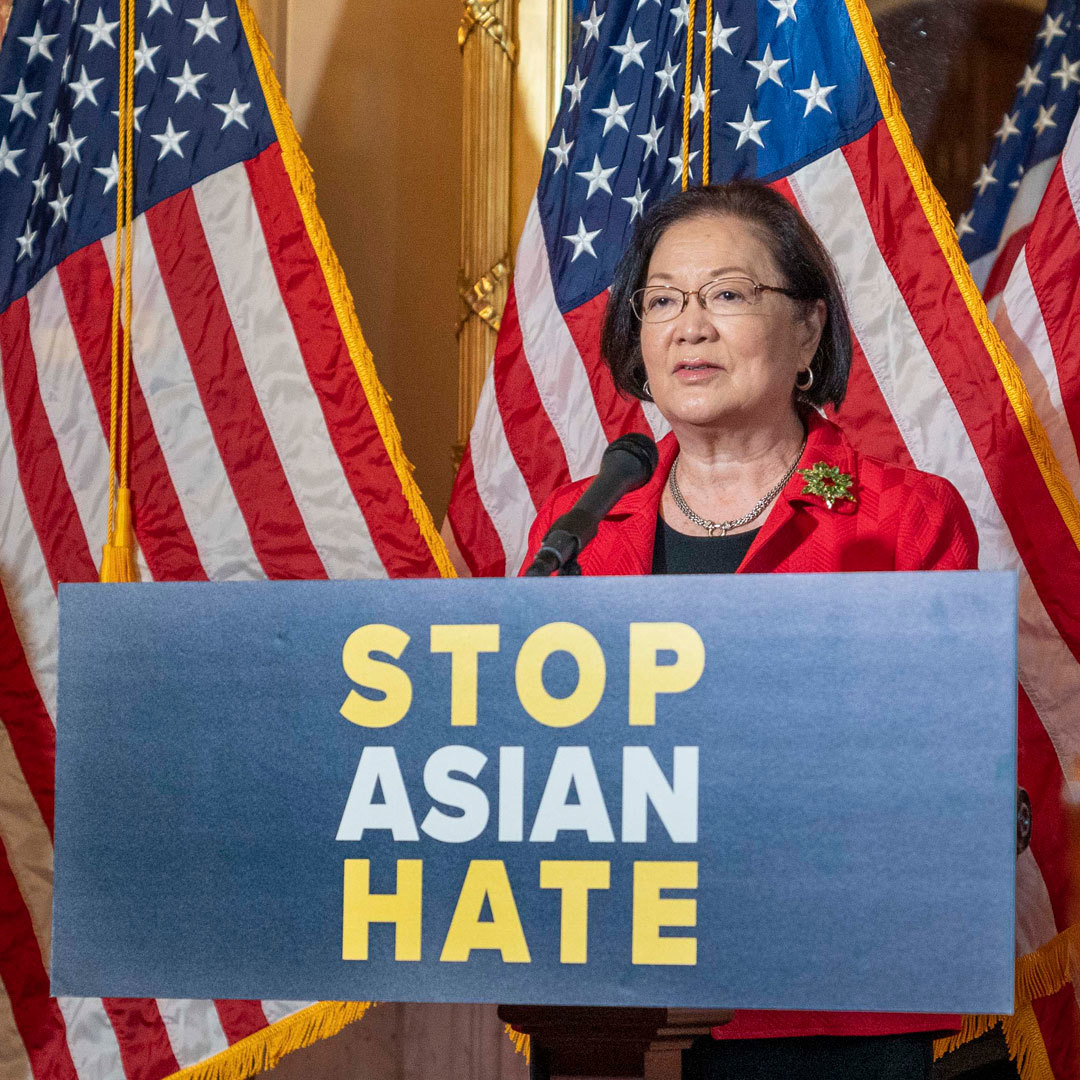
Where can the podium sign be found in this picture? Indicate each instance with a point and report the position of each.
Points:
(771, 791)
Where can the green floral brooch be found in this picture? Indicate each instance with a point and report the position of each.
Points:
(826, 481)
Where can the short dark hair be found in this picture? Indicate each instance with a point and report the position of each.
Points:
(804, 264)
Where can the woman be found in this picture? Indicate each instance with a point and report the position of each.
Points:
(727, 313)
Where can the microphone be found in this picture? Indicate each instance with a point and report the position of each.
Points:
(628, 463)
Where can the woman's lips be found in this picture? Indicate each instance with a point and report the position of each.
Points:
(689, 371)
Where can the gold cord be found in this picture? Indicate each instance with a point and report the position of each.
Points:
(707, 118)
(690, 21)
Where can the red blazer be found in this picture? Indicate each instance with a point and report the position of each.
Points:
(900, 519)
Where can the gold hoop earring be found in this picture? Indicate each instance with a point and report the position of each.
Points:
(803, 387)
(645, 389)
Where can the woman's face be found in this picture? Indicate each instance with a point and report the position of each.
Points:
(710, 370)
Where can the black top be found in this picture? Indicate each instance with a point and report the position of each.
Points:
(677, 553)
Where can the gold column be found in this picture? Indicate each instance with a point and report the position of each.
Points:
(486, 38)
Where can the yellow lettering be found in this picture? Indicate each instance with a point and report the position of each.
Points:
(648, 678)
(575, 878)
(651, 912)
(529, 674)
(464, 643)
(361, 908)
(486, 878)
(366, 671)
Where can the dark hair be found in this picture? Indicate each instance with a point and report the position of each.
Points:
(804, 264)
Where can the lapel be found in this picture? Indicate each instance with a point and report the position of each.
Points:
(630, 526)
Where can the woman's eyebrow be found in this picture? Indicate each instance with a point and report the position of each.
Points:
(712, 275)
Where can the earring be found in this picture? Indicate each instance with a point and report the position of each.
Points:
(645, 390)
(803, 387)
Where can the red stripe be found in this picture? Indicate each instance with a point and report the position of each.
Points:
(278, 533)
(533, 440)
(353, 430)
(37, 1016)
(618, 414)
(1002, 268)
(239, 1019)
(160, 528)
(1059, 1023)
(25, 718)
(914, 257)
(145, 1050)
(41, 472)
(476, 536)
(1053, 259)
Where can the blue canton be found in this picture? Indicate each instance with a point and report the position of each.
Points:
(199, 108)
(1032, 131)
(788, 85)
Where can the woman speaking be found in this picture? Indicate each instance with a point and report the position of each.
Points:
(726, 311)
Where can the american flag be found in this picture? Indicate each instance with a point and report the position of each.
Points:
(1027, 146)
(800, 96)
(262, 445)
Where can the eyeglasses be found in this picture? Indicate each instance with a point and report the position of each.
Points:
(724, 296)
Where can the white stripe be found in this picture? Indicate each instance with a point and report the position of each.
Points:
(931, 427)
(1020, 307)
(24, 576)
(502, 488)
(91, 1039)
(1022, 212)
(14, 1062)
(278, 1010)
(279, 376)
(556, 364)
(26, 839)
(1035, 924)
(194, 1029)
(183, 432)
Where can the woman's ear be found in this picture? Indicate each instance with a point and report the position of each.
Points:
(814, 324)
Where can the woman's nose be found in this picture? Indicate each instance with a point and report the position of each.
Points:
(694, 324)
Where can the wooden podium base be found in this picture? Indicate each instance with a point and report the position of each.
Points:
(590, 1041)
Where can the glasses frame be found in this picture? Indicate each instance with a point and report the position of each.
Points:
(759, 288)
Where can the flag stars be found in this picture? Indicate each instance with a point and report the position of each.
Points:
(84, 88)
(591, 26)
(748, 128)
(159, 5)
(1067, 73)
(206, 25)
(963, 225)
(575, 87)
(70, 146)
(22, 101)
(54, 126)
(630, 51)
(582, 240)
(614, 114)
(137, 111)
(111, 172)
(697, 99)
(169, 140)
(26, 243)
(720, 35)
(786, 8)
(597, 177)
(100, 31)
(187, 82)
(1045, 119)
(39, 44)
(59, 207)
(636, 201)
(681, 14)
(666, 75)
(233, 110)
(677, 161)
(144, 55)
(651, 139)
(561, 152)
(1051, 29)
(768, 68)
(1008, 127)
(1029, 79)
(8, 156)
(815, 95)
(1015, 184)
(40, 184)
(986, 177)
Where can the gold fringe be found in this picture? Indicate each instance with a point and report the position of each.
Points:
(267, 1047)
(1038, 974)
(303, 184)
(938, 217)
(522, 1042)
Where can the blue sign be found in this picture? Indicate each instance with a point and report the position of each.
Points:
(761, 791)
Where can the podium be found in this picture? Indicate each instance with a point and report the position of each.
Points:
(595, 1041)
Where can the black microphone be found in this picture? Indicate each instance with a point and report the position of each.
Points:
(627, 464)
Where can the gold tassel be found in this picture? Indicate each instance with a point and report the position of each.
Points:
(118, 554)
(522, 1042)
